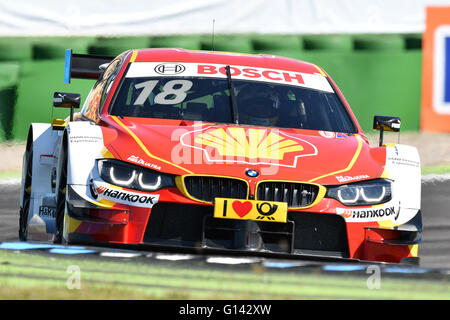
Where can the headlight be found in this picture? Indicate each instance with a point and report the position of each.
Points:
(130, 176)
(362, 193)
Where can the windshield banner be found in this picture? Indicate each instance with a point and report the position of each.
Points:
(174, 69)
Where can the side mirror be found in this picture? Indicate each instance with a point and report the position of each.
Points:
(67, 100)
(386, 123)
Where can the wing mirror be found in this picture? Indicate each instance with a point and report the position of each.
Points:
(386, 123)
(67, 100)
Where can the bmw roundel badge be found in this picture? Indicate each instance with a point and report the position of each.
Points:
(252, 173)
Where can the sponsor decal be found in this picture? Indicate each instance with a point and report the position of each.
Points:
(48, 159)
(266, 209)
(253, 73)
(343, 179)
(330, 134)
(248, 145)
(267, 145)
(400, 161)
(45, 211)
(138, 160)
(85, 139)
(126, 197)
(170, 68)
(240, 208)
(156, 69)
(250, 210)
(341, 135)
(326, 134)
(369, 214)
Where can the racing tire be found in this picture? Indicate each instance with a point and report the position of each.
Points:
(61, 187)
(27, 174)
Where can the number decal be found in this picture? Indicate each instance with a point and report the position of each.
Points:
(148, 87)
(173, 92)
(170, 95)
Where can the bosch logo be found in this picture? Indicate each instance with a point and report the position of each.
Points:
(169, 68)
(252, 173)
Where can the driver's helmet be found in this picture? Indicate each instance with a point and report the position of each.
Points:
(258, 105)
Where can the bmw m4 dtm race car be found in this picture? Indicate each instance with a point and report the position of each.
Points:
(249, 153)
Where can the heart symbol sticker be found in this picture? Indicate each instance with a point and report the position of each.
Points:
(242, 208)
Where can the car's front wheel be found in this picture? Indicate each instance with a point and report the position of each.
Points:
(61, 187)
(27, 174)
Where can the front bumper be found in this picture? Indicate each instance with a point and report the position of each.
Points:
(195, 226)
(181, 222)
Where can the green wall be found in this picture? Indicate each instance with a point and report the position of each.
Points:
(38, 81)
(9, 75)
(377, 83)
(378, 74)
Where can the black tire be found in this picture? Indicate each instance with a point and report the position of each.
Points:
(61, 187)
(27, 173)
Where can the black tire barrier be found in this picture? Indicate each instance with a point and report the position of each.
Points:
(413, 42)
(185, 42)
(113, 46)
(227, 43)
(15, 49)
(272, 43)
(379, 43)
(56, 48)
(338, 43)
(8, 97)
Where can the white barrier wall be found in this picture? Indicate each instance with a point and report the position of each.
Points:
(107, 17)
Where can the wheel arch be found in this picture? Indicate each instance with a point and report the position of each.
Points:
(84, 143)
(403, 167)
(42, 140)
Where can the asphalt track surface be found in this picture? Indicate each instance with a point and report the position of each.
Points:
(434, 250)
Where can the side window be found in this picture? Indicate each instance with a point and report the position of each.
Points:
(99, 92)
(109, 77)
(90, 108)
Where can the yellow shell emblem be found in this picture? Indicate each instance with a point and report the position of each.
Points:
(248, 143)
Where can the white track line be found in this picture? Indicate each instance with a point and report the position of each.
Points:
(11, 181)
(430, 178)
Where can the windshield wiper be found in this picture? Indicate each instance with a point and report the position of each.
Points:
(234, 109)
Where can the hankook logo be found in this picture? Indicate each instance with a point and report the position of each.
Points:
(102, 191)
(369, 214)
(169, 68)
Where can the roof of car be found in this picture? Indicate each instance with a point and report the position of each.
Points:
(231, 58)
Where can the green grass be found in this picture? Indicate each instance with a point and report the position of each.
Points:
(31, 276)
(438, 169)
(6, 175)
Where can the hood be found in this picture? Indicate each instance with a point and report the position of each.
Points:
(185, 147)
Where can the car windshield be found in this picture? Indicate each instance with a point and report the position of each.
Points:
(208, 99)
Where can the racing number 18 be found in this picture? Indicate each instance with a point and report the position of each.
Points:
(168, 95)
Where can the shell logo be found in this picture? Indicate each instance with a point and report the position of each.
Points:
(249, 145)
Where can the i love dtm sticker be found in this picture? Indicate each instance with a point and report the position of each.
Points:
(269, 211)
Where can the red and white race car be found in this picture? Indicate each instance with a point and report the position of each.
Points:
(251, 153)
